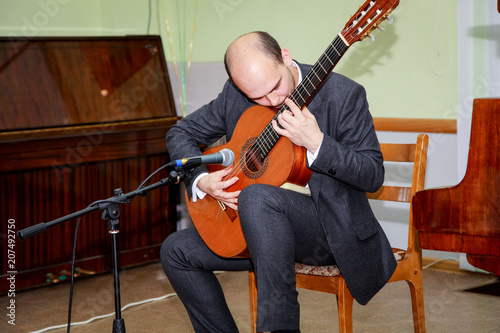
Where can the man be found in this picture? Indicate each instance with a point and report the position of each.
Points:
(332, 225)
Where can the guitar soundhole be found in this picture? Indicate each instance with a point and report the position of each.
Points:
(253, 166)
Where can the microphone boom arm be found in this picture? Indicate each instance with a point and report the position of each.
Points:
(119, 198)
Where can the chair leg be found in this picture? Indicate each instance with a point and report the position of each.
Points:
(417, 302)
(253, 300)
(344, 305)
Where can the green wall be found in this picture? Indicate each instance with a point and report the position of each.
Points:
(409, 71)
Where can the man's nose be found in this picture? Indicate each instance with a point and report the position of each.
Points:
(273, 99)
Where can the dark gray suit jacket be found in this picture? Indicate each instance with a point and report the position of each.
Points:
(348, 165)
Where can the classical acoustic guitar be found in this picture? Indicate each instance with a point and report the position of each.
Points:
(261, 154)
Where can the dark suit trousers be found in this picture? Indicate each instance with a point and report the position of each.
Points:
(280, 227)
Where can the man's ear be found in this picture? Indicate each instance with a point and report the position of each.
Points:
(287, 57)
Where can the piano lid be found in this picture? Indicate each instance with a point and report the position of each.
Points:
(70, 81)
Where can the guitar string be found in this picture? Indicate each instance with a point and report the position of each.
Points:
(269, 131)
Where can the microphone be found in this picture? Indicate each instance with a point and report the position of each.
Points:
(224, 157)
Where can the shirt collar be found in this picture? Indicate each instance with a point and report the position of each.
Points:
(294, 64)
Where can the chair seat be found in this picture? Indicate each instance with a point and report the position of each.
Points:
(333, 270)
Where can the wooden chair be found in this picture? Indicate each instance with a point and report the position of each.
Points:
(409, 268)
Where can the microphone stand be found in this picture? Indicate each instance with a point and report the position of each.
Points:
(111, 212)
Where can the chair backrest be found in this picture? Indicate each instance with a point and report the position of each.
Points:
(417, 154)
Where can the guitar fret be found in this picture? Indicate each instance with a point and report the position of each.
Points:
(314, 72)
(316, 79)
(269, 133)
(308, 81)
(324, 70)
(328, 58)
(275, 136)
(308, 85)
(333, 56)
(300, 95)
(267, 146)
(310, 88)
(336, 51)
(328, 63)
(325, 64)
(263, 152)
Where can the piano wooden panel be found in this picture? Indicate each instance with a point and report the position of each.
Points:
(80, 117)
(64, 81)
(466, 217)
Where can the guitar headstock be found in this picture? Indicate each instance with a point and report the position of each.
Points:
(367, 18)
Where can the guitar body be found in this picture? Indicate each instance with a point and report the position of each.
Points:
(219, 226)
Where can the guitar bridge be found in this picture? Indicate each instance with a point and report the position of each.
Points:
(221, 204)
(229, 211)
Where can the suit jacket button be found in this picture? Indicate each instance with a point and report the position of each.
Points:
(332, 172)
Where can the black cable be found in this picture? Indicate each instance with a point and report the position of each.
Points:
(73, 260)
(72, 275)
(151, 175)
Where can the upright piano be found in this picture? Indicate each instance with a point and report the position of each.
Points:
(466, 217)
(80, 117)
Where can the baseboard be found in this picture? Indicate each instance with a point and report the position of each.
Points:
(446, 265)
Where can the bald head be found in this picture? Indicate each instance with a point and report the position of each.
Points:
(249, 48)
(261, 69)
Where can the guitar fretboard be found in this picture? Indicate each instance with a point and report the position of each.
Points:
(304, 91)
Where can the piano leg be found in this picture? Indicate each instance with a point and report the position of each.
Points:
(490, 264)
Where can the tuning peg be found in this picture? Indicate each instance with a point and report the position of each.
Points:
(371, 37)
(390, 19)
(380, 28)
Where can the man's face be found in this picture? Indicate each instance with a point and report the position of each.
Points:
(266, 82)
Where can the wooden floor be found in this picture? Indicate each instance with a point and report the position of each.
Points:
(447, 307)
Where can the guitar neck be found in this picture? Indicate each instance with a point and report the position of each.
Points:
(305, 90)
(318, 73)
